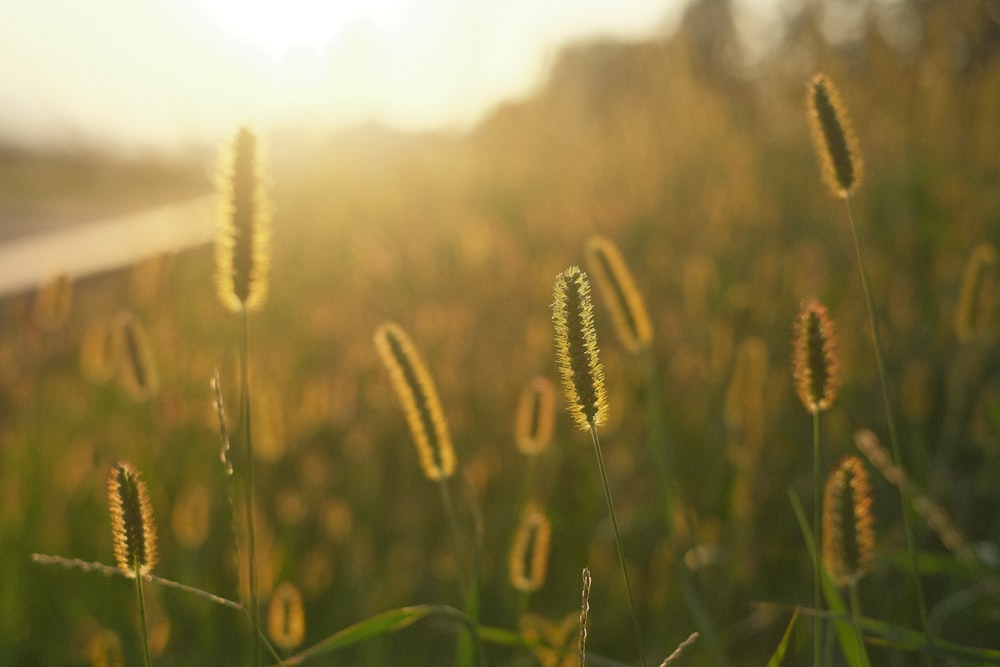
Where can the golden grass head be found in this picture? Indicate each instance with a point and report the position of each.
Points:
(416, 390)
(975, 314)
(836, 144)
(576, 349)
(623, 299)
(134, 356)
(848, 526)
(132, 523)
(243, 241)
(53, 303)
(286, 617)
(529, 556)
(814, 357)
(535, 419)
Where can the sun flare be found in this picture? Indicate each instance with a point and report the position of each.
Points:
(275, 28)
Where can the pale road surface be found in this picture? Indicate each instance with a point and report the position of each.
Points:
(83, 249)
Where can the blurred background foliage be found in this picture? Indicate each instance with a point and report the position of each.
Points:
(694, 157)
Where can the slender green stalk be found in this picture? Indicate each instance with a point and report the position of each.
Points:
(618, 542)
(142, 614)
(817, 548)
(249, 496)
(889, 417)
(469, 645)
(456, 541)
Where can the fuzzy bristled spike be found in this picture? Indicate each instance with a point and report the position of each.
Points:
(815, 357)
(535, 419)
(834, 138)
(243, 242)
(848, 533)
(576, 349)
(416, 391)
(132, 523)
(614, 280)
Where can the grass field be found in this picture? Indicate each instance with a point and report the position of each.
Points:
(708, 183)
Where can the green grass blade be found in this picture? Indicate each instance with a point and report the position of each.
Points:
(380, 624)
(779, 653)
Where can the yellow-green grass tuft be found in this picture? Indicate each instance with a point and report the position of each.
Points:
(577, 351)
(623, 299)
(848, 526)
(243, 241)
(833, 135)
(535, 419)
(815, 357)
(416, 391)
(529, 556)
(132, 525)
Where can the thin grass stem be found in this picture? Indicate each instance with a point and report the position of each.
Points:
(618, 542)
(142, 615)
(249, 497)
(889, 416)
(817, 548)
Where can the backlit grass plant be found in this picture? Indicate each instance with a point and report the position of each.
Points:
(583, 383)
(840, 160)
(815, 368)
(242, 258)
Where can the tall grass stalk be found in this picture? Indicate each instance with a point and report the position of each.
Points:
(890, 418)
(842, 166)
(814, 366)
(242, 258)
(134, 534)
(618, 543)
(249, 496)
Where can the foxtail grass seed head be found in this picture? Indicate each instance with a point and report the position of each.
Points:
(576, 349)
(535, 419)
(623, 299)
(529, 556)
(135, 359)
(848, 533)
(53, 303)
(132, 523)
(814, 358)
(242, 247)
(286, 617)
(417, 393)
(834, 138)
(975, 315)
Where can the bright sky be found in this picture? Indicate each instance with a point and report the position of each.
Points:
(168, 73)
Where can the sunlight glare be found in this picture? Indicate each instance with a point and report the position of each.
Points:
(276, 27)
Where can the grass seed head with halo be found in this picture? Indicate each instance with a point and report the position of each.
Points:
(848, 533)
(132, 523)
(815, 357)
(242, 248)
(836, 144)
(415, 388)
(576, 349)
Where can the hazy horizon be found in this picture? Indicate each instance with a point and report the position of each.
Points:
(164, 76)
